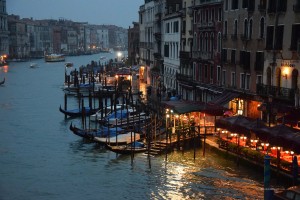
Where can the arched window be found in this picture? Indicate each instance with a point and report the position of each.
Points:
(206, 42)
(195, 43)
(225, 28)
(211, 42)
(219, 43)
(262, 28)
(201, 42)
(250, 29)
(235, 27)
(245, 28)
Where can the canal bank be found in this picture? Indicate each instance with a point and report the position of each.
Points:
(276, 174)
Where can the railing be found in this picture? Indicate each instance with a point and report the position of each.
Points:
(184, 77)
(184, 54)
(276, 92)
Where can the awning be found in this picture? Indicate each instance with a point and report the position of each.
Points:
(182, 107)
(225, 97)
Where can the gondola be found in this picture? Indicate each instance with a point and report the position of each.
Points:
(2, 82)
(119, 139)
(135, 147)
(91, 133)
(78, 112)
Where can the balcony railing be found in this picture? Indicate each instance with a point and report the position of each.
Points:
(184, 55)
(277, 92)
(184, 78)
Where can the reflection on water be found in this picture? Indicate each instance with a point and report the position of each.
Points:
(42, 159)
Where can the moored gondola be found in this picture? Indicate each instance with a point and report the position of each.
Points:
(134, 147)
(2, 82)
(102, 132)
(78, 112)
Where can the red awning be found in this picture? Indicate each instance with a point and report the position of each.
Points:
(182, 107)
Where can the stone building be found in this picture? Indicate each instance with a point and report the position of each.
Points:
(3, 32)
(133, 44)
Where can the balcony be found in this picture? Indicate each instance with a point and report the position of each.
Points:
(158, 16)
(209, 24)
(184, 55)
(188, 79)
(277, 92)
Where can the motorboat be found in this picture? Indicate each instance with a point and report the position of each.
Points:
(54, 58)
(33, 65)
(69, 64)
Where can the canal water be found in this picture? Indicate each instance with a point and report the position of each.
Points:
(40, 159)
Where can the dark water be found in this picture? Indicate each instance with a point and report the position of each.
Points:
(41, 159)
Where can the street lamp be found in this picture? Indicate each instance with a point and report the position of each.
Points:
(244, 139)
(236, 137)
(254, 143)
(265, 147)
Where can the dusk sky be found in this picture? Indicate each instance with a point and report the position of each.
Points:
(115, 12)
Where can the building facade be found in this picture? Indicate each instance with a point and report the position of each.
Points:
(171, 41)
(133, 44)
(4, 42)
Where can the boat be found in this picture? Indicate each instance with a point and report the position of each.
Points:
(54, 58)
(119, 139)
(103, 131)
(69, 64)
(125, 117)
(291, 193)
(33, 65)
(78, 112)
(109, 110)
(134, 147)
(83, 88)
(2, 82)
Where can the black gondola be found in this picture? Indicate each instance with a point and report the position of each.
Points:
(2, 82)
(78, 112)
(91, 133)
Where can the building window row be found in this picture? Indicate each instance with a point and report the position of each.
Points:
(172, 27)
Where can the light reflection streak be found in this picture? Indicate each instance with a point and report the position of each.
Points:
(4, 68)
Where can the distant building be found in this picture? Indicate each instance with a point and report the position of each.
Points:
(133, 44)
(4, 42)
